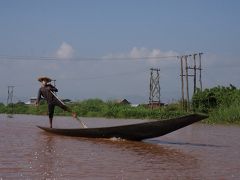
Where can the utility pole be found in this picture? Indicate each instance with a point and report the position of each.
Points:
(186, 76)
(195, 74)
(200, 69)
(154, 96)
(182, 82)
(196, 66)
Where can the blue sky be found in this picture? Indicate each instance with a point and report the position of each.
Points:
(92, 28)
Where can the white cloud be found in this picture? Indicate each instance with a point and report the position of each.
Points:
(139, 52)
(65, 51)
(143, 52)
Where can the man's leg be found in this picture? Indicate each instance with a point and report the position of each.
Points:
(74, 114)
(50, 113)
(65, 108)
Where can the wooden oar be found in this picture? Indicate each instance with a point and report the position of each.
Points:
(82, 123)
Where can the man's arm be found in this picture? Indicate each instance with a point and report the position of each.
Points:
(52, 88)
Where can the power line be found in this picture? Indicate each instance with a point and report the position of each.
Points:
(113, 75)
(107, 76)
(48, 58)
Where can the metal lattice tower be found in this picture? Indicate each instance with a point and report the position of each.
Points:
(10, 98)
(10, 95)
(154, 96)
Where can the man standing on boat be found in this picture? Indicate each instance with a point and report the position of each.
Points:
(46, 91)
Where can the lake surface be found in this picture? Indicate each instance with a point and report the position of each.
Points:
(198, 151)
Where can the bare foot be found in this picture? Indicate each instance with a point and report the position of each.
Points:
(74, 115)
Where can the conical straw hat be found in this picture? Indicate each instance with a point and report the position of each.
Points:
(40, 79)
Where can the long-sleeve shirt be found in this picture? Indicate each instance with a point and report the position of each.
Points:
(45, 92)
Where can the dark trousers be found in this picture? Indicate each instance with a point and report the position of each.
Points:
(51, 108)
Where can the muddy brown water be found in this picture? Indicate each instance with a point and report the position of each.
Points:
(195, 152)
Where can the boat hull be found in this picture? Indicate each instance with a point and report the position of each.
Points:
(135, 132)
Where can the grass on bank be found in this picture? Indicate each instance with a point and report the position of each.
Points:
(222, 104)
(99, 108)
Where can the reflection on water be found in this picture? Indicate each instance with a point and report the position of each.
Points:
(156, 141)
(195, 152)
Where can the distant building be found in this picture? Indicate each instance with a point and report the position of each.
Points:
(31, 101)
(122, 101)
(135, 105)
(155, 104)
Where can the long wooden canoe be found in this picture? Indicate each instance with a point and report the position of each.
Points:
(136, 132)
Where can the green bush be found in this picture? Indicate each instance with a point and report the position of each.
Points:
(2, 108)
(222, 104)
(215, 97)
